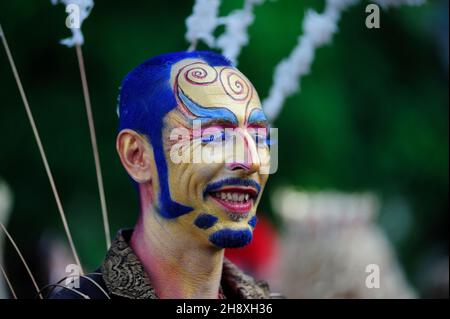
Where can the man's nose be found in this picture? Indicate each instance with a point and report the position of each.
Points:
(245, 155)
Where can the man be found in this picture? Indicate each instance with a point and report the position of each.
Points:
(183, 119)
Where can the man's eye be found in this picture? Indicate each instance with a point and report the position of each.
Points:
(261, 137)
(213, 137)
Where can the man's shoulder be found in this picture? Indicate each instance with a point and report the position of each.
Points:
(239, 285)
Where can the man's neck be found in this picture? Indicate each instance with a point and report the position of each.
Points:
(177, 264)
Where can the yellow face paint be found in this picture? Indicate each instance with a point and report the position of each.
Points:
(223, 193)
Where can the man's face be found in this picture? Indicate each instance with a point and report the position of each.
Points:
(222, 150)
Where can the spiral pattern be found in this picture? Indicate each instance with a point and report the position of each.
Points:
(199, 73)
(235, 85)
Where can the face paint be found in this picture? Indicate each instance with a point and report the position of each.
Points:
(223, 195)
(230, 238)
(205, 221)
(215, 201)
(145, 99)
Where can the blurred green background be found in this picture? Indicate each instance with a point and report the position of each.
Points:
(372, 115)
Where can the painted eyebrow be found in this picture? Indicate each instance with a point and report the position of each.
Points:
(207, 114)
(257, 117)
(218, 122)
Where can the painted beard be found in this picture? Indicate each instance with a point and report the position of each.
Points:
(231, 238)
(226, 237)
(236, 197)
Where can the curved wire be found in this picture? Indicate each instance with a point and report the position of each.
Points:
(64, 287)
(85, 277)
(20, 256)
(8, 282)
(58, 282)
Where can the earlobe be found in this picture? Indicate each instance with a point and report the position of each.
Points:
(135, 154)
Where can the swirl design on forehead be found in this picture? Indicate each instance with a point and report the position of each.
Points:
(199, 73)
(235, 85)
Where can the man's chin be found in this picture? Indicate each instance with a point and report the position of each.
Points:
(237, 217)
(231, 238)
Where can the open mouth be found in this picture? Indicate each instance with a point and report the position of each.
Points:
(235, 199)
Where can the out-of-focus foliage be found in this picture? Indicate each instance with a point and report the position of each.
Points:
(373, 114)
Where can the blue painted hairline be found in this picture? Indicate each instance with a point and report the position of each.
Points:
(145, 98)
(205, 221)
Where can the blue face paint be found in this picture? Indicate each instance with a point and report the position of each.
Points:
(252, 222)
(257, 116)
(218, 136)
(146, 97)
(207, 113)
(205, 221)
(231, 238)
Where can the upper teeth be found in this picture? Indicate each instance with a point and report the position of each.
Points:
(232, 196)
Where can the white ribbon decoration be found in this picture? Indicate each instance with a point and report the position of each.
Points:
(318, 30)
(84, 9)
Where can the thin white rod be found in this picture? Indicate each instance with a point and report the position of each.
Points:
(40, 146)
(98, 169)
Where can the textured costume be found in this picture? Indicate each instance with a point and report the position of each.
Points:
(123, 276)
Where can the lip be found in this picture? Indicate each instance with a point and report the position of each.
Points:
(234, 206)
(233, 183)
(240, 189)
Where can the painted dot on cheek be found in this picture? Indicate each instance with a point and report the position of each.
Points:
(205, 221)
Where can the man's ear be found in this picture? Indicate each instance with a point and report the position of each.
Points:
(136, 155)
